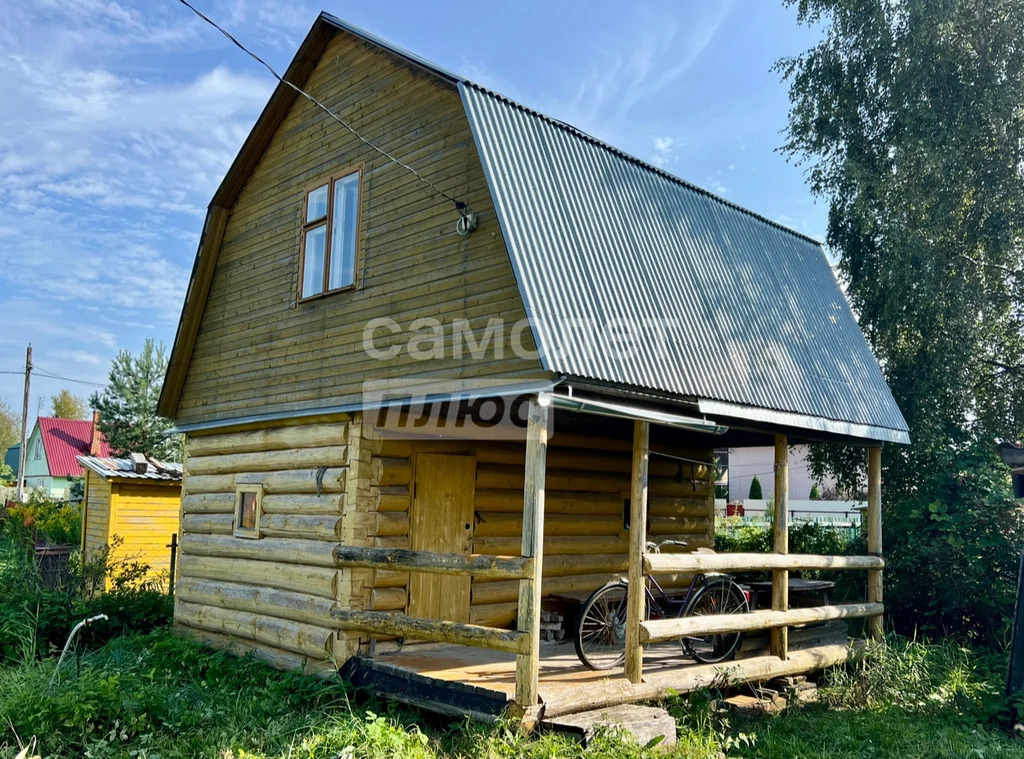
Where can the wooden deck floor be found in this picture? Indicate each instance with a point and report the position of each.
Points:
(560, 669)
(566, 686)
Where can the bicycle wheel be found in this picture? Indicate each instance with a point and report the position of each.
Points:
(717, 597)
(601, 628)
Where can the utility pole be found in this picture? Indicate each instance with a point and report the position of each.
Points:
(23, 458)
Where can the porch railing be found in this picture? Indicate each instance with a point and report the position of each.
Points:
(441, 631)
(524, 641)
(654, 631)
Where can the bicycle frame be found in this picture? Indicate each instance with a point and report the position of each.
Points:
(670, 604)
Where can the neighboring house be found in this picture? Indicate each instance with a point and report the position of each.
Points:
(137, 499)
(11, 459)
(320, 522)
(759, 461)
(746, 463)
(53, 447)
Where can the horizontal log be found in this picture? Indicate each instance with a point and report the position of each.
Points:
(512, 478)
(495, 524)
(269, 461)
(393, 498)
(655, 563)
(208, 483)
(319, 581)
(391, 542)
(657, 685)
(570, 545)
(208, 524)
(566, 565)
(284, 503)
(281, 438)
(384, 578)
(293, 481)
(579, 460)
(505, 567)
(287, 550)
(505, 591)
(653, 631)
(555, 502)
(278, 658)
(208, 503)
(403, 626)
(680, 506)
(390, 471)
(388, 599)
(298, 637)
(494, 615)
(392, 523)
(311, 527)
(272, 602)
(677, 525)
(575, 544)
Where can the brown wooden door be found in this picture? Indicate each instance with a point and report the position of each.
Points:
(442, 520)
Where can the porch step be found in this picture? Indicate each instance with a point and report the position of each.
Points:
(647, 725)
(432, 694)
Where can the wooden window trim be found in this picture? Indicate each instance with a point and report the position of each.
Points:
(356, 169)
(251, 533)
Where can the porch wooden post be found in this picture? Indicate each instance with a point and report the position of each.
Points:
(874, 516)
(780, 578)
(528, 664)
(636, 598)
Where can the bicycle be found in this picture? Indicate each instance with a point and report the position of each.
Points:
(601, 628)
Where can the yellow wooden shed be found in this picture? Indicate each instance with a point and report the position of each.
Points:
(137, 499)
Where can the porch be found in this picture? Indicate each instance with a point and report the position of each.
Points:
(483, 669)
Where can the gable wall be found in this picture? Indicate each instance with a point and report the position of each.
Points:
(257, 349)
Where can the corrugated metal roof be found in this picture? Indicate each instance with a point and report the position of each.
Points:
(108, 467)
(632, 276)
(63, 441)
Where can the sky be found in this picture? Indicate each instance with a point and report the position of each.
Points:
(118, 119)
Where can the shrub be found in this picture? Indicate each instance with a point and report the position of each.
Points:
(952, 549)
(755, 493)
(35, 620)
(44, 520)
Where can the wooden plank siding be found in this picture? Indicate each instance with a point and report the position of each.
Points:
(97, 514)
(258, 350)
(147, 517)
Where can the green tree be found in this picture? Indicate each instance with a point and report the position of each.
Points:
(755, 493)
(908, 117)
(66, 405)
(127, 406)
(10, 433)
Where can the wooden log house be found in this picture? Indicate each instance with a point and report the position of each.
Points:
(446, 236)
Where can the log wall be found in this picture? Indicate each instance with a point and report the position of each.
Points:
(585, 539)
(273, 595)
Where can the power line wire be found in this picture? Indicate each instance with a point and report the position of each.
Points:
(459, 205)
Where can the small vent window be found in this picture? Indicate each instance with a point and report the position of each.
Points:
(248, 505)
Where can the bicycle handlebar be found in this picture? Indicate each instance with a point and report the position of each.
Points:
(656, 547)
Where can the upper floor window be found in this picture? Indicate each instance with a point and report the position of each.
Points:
(330, 235)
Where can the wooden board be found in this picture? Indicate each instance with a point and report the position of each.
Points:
(442, 520)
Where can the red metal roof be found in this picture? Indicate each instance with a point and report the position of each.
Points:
(63, 440)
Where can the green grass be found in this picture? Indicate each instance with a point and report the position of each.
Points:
(157, 697)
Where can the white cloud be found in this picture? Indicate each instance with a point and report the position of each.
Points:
(120, 119)
(664, 148)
